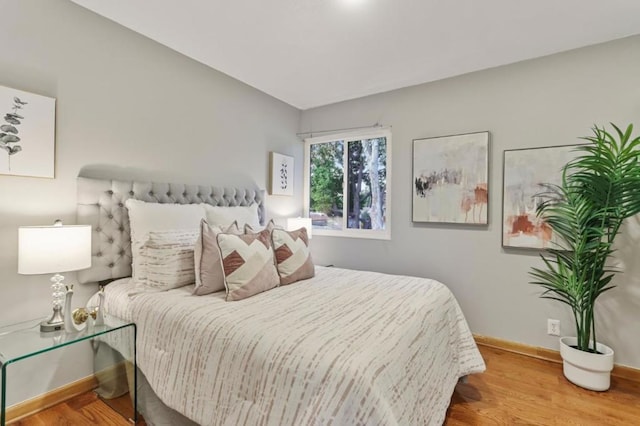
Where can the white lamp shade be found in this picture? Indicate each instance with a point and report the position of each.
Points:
(294, 223)
(53, 249)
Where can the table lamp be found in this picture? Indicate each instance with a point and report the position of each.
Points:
(294, 223)
(51, 250)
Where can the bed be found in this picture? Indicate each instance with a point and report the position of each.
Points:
(344, 347)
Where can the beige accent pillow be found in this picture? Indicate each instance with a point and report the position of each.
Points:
(292, 254)
(247, 261)
(208, 266)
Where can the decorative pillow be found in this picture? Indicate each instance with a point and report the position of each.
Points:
(225, 216)
(167, 259)
(271, 225)
(293, 257)
(247, 261)
(208, 266)
(146, 217)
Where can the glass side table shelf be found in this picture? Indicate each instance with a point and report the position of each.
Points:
(116, 337)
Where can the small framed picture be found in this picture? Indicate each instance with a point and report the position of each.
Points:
(281, 173)
(27, 133)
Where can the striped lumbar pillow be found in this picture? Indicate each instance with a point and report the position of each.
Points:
(167, 259)
(293, 257)
(247, 261)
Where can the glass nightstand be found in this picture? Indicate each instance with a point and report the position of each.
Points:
(117, 338)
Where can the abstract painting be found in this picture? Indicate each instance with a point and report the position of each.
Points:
(450, 179)
(526, 171)
(27, 133)
(281, 174)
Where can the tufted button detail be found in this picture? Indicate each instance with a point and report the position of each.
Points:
(121, 229)
(110, 240)
(99, 254)
(111, 265)
(198, 195)
(169, 194)
(120, 205)
(184, 194)
(151, 193)
(131, 193)
(98, 229)
(110, 216)
(110, 192)
(121, 252)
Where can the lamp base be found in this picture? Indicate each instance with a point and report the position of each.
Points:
(55, 323)
(47, 327)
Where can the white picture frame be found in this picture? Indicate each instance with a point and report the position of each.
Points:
(281, 174)
(27, 134)
(525, 174)
(451, 179)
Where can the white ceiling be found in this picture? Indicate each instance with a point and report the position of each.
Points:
(309, 53)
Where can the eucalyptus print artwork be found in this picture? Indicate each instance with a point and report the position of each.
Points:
(27, 133)
(9, 139)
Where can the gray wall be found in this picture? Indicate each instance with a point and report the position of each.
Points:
(127, 107)
(543, 102)
(130, 108)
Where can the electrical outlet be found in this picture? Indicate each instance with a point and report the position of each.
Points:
(553, 327)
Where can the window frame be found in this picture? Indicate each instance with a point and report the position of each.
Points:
(384, 132)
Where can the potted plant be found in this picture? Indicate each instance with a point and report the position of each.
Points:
(599, 190)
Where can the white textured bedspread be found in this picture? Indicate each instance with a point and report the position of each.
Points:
(344, 348)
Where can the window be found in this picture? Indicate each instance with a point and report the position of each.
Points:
(348, 184)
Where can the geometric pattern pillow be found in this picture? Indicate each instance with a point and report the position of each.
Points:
(166, 260)
(247, 262)
(208, 267)
(293, 257)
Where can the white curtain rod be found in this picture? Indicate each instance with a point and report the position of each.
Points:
(311, 133)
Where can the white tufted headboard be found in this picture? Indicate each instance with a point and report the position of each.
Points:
(101, 205)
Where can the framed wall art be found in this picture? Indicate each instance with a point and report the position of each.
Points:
(525, 173)
(27, 133)
(281, 174)
(450, 179)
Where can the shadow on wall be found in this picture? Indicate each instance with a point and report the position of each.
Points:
(112, 171)
(626, 296)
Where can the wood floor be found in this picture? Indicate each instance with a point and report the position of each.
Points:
(515, 390)
(83, 410)
(520, 390)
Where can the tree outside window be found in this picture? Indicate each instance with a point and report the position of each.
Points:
(356, 202)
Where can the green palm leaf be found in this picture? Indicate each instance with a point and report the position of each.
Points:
(600, 189)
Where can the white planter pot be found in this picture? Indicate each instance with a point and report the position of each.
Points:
(588, 370)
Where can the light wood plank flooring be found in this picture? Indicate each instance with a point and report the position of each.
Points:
(515, 390)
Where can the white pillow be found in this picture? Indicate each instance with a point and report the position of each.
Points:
(148, 217)
(270, 226)
(225, 216)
